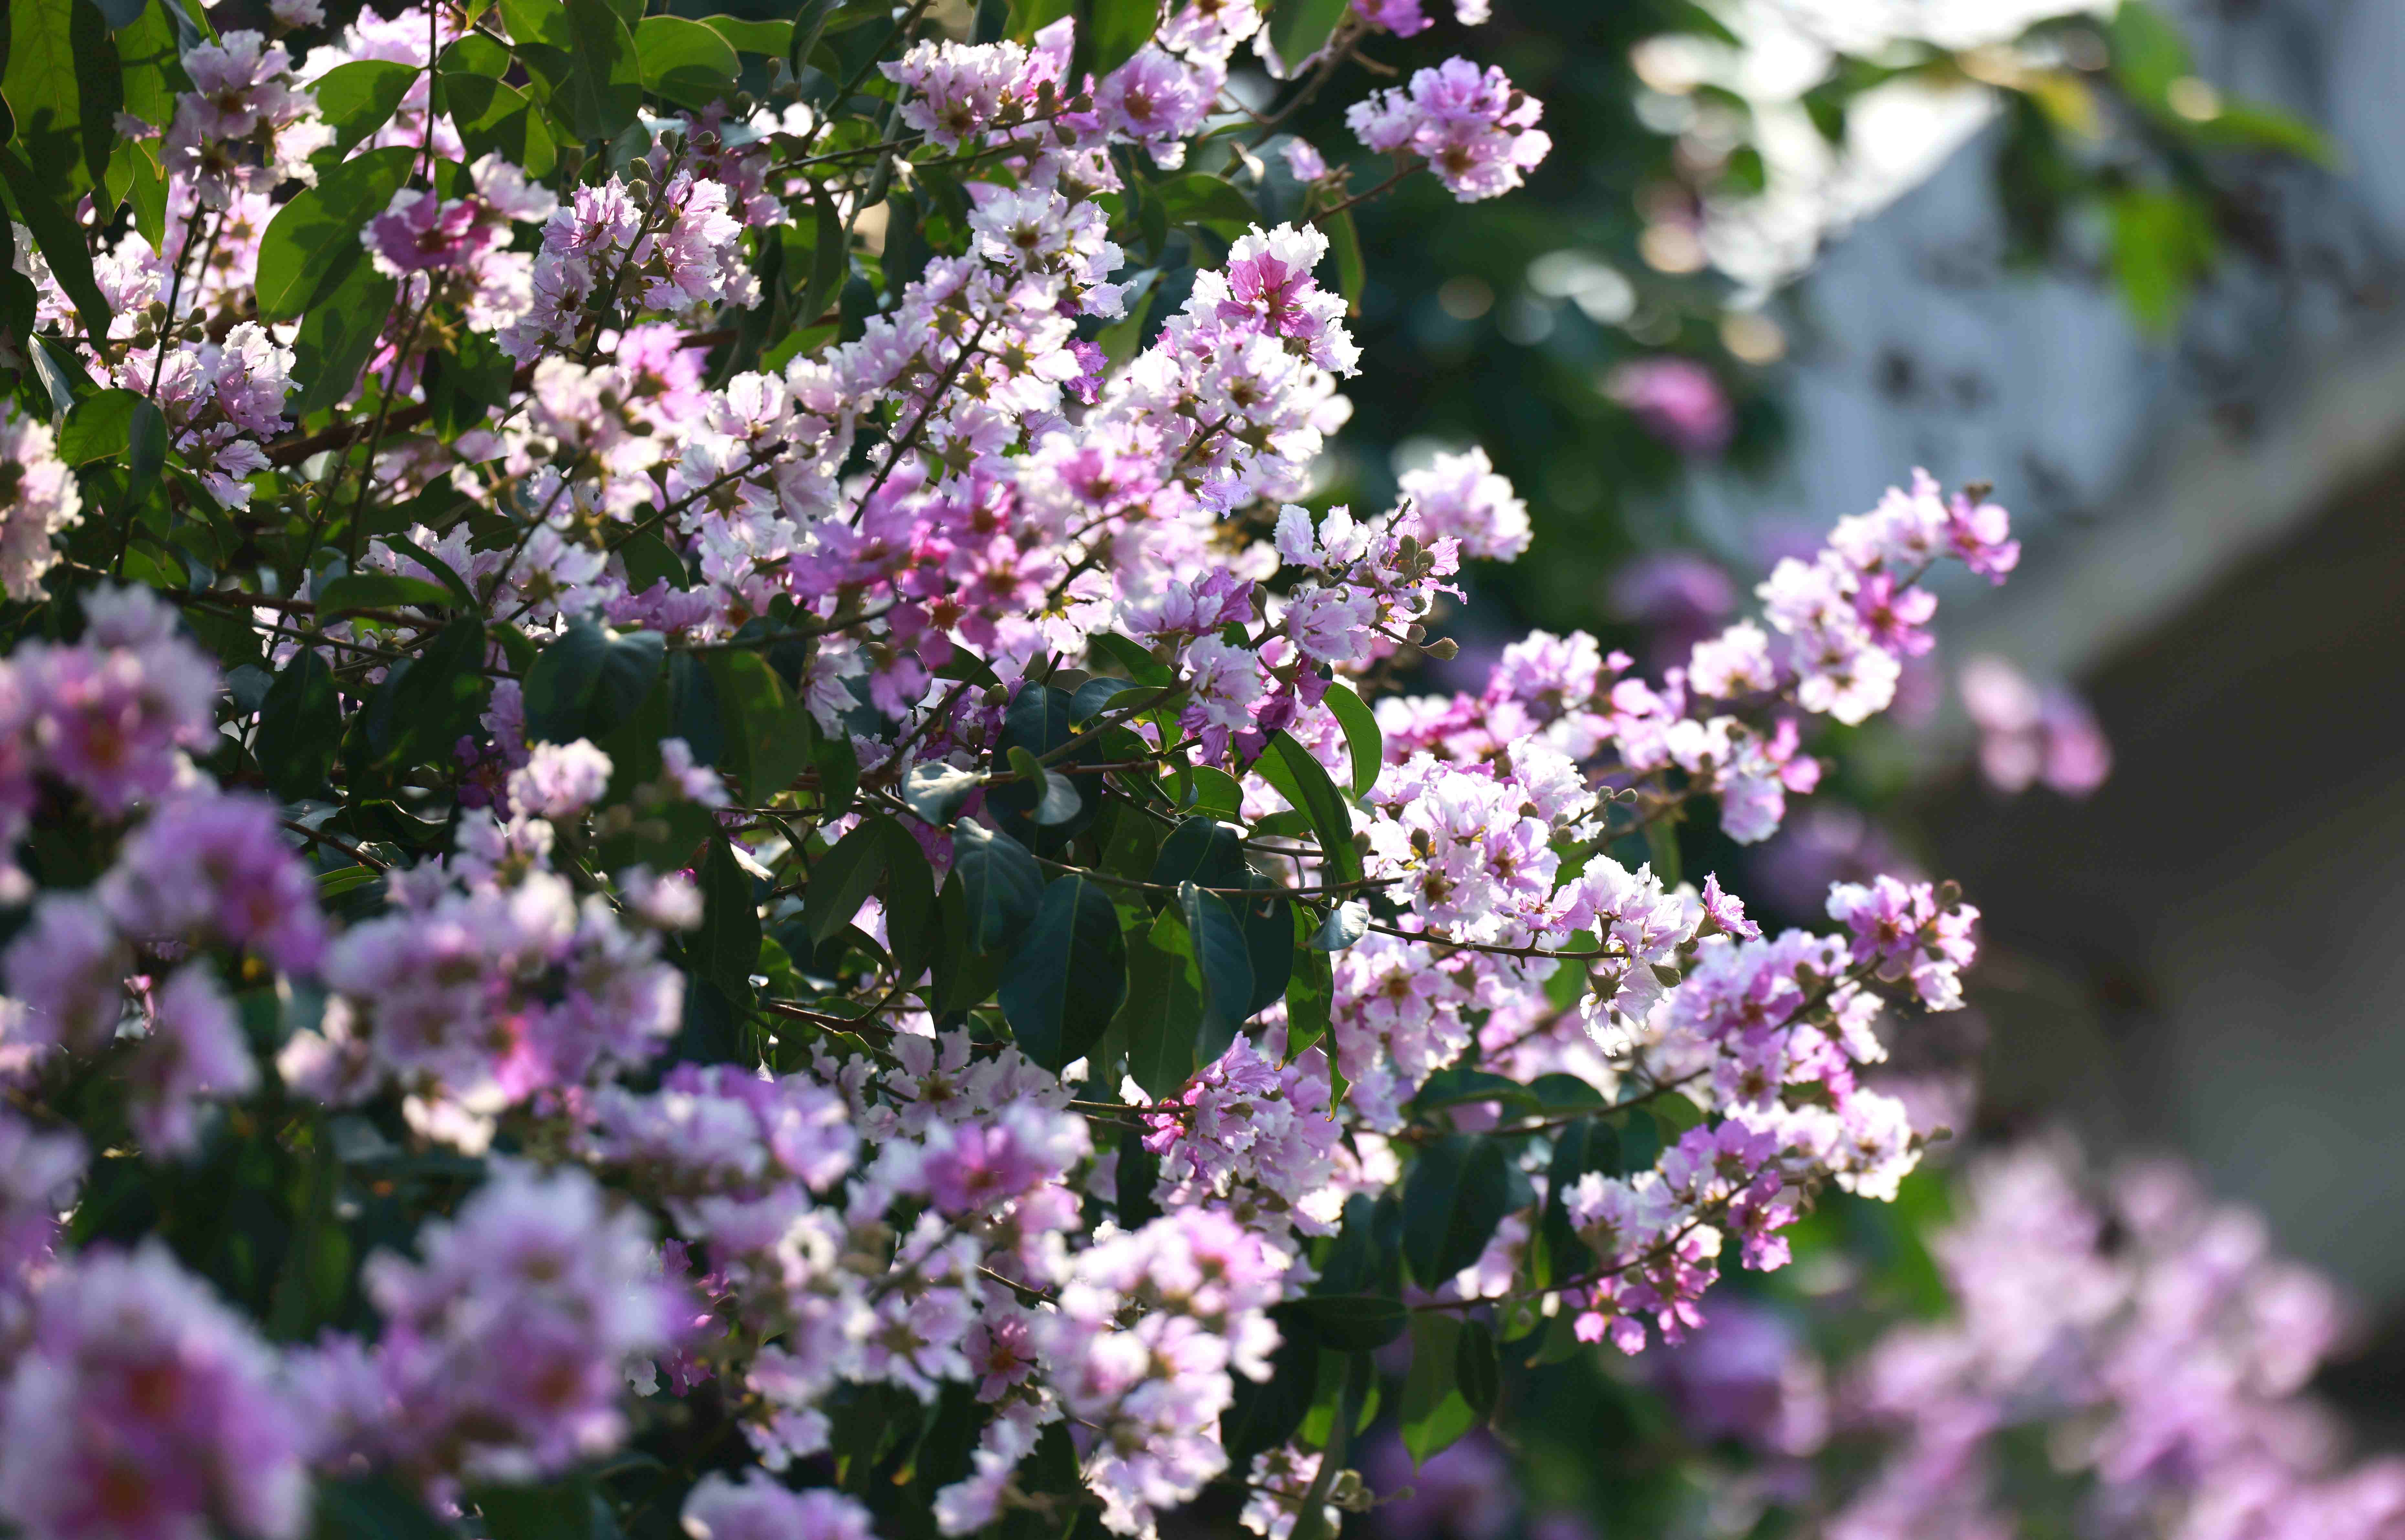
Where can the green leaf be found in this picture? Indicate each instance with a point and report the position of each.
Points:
(464, 383)
(1225, 965)
(1118, 28)
(768, 731)
(1476, 1372)
(493, 116)
(1590, 1144)
(1200, 850)
(1198, 198)
(1217, 793)
(1350, 1322)
(97, 427)
(1351, 271)
(60, 239)
(1001, 883)
(360, 97)
(1454, 1196)
(912, 927)
(1165, 1007)
(2257, 125)
(2162, 244)
(380, 591)
(1300, 28)
(1362, 739)
(843, 878)
(1065, 980)
(727, 946)
(337, 337)
(1299, 778)
(2148, 53)
(425, 706)
(689, 63)
(1434, 1412)
(474, 53)
(1268, 920)
(1310, 992)
(374, 1507)
(312, 245)
(146, 448)
(746, 35)
(588, 681)
(583, 58)
(1459, 1085)
(1141, 665)
(299, 727)
(63, 88)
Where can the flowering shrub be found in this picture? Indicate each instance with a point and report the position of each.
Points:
(695, 831)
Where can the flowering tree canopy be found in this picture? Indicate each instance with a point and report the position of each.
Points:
(694, 831)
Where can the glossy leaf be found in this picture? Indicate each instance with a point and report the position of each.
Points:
(1068, 975)
(1301, 780)
(1362, 739)
(360, 97)
(1434, 1413)
(1000, 881)
(686, 62)
(299, 727)
(842, 879)
(727, 946)
(1225, 967)
(1454, 1196)
(312, 245)
(588, 681)
(1165, 1007)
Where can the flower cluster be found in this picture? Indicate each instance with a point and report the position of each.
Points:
(2159, 1323)
(740, 803)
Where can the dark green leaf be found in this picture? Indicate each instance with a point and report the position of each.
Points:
(299, 727)
(1590, 1144)
(843, 878)
(687, 62)
(935, 791)
(1165, 1007)
(2148, 53)
(380, 591)
(588, 681)
(464, 383)
(146, 448)
(1201, 850)
(911, 927)
(1351, 271)
(312, 245)
(59, 237)
(1269, 940)
(1264, 1414)
(1454, 1196)
(374, 1507)
(583, 58)
(1362, 739)
(1347, 923)
(727, 946)
(359, 98)
(1350, 1322)
(1141, 665)
(1434, 1412)
(1460, 1085)
(423, 709)
(1066, 979)
(1299, 778)
(1225, 965)
(1001, 883)
(768, 733)
(1476, 1371)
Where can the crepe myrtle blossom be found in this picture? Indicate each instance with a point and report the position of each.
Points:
(1476, 131)
(544, 814)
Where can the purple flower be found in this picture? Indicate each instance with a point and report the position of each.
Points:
(143, 1408)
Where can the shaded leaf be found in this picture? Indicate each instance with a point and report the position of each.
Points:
(1065, 980)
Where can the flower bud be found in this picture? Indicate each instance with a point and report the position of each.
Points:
(1443, 649)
